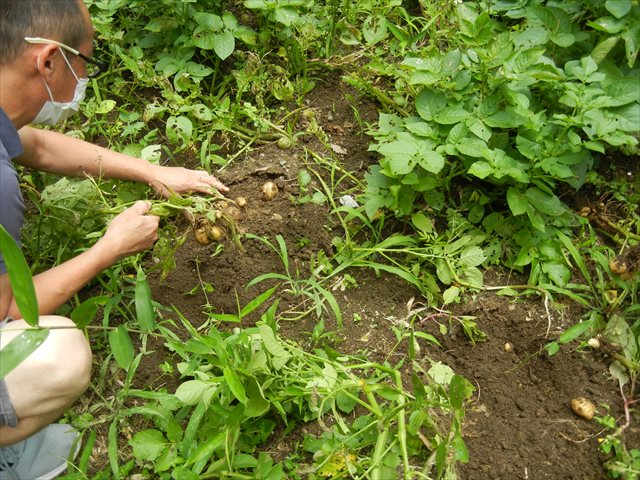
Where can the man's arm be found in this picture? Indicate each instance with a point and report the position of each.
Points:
(57, 153)
(130, 232)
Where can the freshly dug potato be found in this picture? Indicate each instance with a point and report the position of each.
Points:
(232, 213)
(618, 266)
(594, 343)
(241, 202)
(268, 191)
(202, 236)
(583, 408)
(214, 232)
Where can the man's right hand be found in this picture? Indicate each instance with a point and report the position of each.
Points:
(131, 232)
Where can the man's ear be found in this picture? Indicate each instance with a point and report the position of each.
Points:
(47, 60)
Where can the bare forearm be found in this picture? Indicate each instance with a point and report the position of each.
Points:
(64, 155)
(57, 153)
(57, 285)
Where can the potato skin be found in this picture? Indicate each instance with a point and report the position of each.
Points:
(268, 191)
(583, 408)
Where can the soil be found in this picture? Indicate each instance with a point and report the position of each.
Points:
(519, 423)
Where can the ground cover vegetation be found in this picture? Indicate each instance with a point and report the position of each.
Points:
(492, 117)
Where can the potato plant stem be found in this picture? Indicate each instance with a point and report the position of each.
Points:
(378, 454)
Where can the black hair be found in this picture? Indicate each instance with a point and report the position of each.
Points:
(60, 20)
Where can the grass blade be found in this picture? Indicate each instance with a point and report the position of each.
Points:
(20, 348)
(256, 302)
(20, 277)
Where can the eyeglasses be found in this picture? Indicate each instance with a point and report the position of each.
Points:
(94, 67)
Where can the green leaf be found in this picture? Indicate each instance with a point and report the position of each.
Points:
(235, 384)
(286, 15)
(374, 29)
(430, 102)
(618, 8)
(271, 343)
(121, 346)
(431, 161)
(459, 390)
(563, 39)
(148, 444)
(192, 391)
(574, 331)
(422, 222)
(85, 313)
(600, 52)
(179, 129)
(20, 278)
(144, 306)
(544, 202)
(451, 294)
(224, 44)
(472, 256)
(619, 331)
(256, 405)
(209, 21)
(441, 374)
(451, 114)
(481, 169)
(183, 473)
(206, 449)
(428, 337)
(20, 347)
(557, 272)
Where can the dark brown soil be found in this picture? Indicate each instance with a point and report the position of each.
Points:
(519, 424)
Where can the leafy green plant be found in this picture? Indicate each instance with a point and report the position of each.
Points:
(520, 109)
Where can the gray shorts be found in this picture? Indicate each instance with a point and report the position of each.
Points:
(7, 412)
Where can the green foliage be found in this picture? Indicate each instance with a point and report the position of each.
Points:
(239, 386)
(517, 107)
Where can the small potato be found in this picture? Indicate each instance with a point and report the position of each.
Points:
(232, 213)
(285, 143)
(508, 347)
(215, 233)
(583, 408)
(594, 343)
(241, 202)
(618, 266)
(269, 190)
(202, 236)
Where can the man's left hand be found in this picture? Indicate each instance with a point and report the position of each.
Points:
(167, 180)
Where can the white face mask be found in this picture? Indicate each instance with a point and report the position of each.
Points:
(53, 112)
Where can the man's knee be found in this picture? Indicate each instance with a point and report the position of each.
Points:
(60, 368)
(68, 354)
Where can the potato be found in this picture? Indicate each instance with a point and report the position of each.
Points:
(269, 190)
(593, 343)
(583, 408)
(232, 213)
(202, 236)
(618, 266)
(241, 202)
(214, 232)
